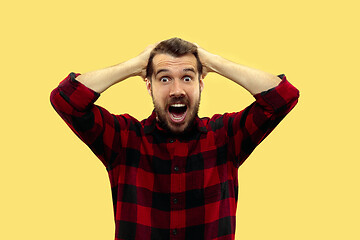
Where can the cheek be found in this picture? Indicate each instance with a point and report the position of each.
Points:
(159, 95)
(194, 96)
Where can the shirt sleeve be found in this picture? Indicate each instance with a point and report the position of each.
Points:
(94, 125)
(247, 129)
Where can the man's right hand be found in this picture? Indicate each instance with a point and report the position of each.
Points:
(143, 59)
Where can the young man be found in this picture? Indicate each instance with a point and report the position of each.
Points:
(174, 175)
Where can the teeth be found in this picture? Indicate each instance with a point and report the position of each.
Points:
(178, 105)
(177, 118)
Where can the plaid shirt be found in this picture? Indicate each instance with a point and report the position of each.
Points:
(168, 187)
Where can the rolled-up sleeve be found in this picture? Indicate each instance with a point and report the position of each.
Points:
(74, 93)
(282, 98)
(94, 125)
(248, 128)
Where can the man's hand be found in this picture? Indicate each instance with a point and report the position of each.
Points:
(205, 59)
(143, 59)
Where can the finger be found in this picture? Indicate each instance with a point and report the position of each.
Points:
(143, 74)
(204, 72)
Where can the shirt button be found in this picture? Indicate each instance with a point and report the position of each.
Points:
(174, 231)
(176, 168)
(171, 140)
(175, 201)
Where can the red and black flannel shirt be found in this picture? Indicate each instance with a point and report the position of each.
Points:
(168, 187)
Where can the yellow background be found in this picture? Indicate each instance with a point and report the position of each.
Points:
(302, 182)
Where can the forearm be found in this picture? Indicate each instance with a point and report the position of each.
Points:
(102, 79)
(253, 80)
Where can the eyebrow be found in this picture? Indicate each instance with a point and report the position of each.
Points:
(167, 70)
(161, 70)
(189, 70)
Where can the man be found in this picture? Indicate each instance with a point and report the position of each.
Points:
(174, 175)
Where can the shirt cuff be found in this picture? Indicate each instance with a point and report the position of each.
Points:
(280, 96)
(76, 94)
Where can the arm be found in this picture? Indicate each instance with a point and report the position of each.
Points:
(74, 100)
(275, 97)
(253, 80)
(102, 79)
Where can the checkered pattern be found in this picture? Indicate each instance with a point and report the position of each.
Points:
(167, 187)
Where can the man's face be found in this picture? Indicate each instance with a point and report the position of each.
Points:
(175, 89)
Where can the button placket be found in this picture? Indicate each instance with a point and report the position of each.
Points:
(177, 185)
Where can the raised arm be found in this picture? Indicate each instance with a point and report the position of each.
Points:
(102, 79)
(253, 80)
(247, 128)
(74, 98)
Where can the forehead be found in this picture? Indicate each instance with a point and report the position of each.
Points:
(166, 61)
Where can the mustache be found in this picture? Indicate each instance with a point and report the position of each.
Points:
(182, 100)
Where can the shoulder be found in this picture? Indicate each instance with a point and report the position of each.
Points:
(218, 121)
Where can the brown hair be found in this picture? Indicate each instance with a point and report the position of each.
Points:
(175, 47)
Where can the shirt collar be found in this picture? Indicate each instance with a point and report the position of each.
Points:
(151, 123)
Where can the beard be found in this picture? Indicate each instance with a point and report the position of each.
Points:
(175, 128)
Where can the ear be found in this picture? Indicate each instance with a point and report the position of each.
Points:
(148, 85)
(201, 82)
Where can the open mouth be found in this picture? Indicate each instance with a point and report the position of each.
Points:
(177, 112)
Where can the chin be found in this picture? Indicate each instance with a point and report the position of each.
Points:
(177, 129)
(173, 127)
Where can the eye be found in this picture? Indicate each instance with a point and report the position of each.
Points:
(164, 79)
(187, 79)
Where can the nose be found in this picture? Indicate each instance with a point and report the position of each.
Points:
(177, 89)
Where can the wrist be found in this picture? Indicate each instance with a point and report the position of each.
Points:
(136, 65)
(207, 59)
(211, 62)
